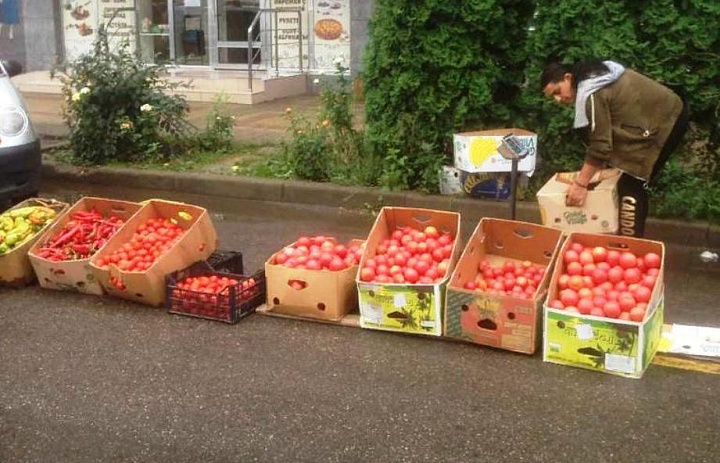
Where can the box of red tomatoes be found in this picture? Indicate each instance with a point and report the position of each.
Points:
(201, 291)
(314, 277)
(61, 257)
(161, 238)
(496, 292)
(408, 259)
(604, 309)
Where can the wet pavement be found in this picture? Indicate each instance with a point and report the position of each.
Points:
(88, 379)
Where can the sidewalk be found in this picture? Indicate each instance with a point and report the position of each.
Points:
(259, 123)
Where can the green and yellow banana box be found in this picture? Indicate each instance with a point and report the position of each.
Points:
(480, 151)
(615, 346)
(623, 348)
(408, 308)
(501, 321)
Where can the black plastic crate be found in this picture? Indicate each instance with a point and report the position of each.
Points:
(229, 305)
(226, 261)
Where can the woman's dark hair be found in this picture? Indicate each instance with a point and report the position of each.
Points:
(555, 72)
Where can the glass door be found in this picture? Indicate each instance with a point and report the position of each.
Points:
(191, 32)
(233, 19)
(154, 37)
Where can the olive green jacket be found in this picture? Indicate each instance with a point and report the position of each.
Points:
(630, 120)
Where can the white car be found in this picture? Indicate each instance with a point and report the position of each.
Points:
(19, 145)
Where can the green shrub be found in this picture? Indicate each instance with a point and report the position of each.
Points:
(681, 193)
(675, 42)
(118, 108)
(329, 148)
(434, 67)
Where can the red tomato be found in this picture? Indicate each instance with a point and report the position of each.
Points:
(637, 314)
(648, 281)
(574, 268)
(586, 257)
(442, 268)
(422, 267)
(616, 275)
(624, 316)
(576, 283)
(652, 260)
(628, 260)
(470, 285)
(599, 276)
(563, 281)
(585, 306)
(612, 310)
(569, 297)
(632, 275)
(313, 264)
(597, 312)
(411, 275)
(585, 293)
(599, 254)
(642, 294)
(432, 232)
(398, 278)
(557, 304)
(577, 247)
(626, 303)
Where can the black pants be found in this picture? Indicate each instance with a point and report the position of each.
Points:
(633, 196)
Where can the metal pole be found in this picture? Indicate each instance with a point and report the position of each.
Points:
(300, 33)
(277, 52)
(513, 187)
(250, 58)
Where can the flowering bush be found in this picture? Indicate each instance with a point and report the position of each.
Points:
(118, 108)
(330, 148)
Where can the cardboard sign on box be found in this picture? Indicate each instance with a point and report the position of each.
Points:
(614, 346)
(409, 308)
(500, 321)
(599, 214)
(15, 267)
(478, 151)
(75, 275)
(324, 295)
(197, 243)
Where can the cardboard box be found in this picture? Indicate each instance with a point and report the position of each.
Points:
(599, 214)
(500, 321)
(409, 308)
(75, 275)
(614, 346)
(325, 295)
(450, 182)
(478, 151)
(148, 287)
(489, 185)
(15, 267)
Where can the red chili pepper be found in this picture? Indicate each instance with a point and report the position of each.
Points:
(66, 237)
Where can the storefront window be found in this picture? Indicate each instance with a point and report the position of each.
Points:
(154, 35)
(215, 32)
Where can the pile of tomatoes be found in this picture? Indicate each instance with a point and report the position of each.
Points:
(319, 253)
(209, 295)
(410, 256)
(516, 279)
(151, 240)
(606, 282)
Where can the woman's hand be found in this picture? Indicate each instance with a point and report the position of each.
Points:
(576, 195)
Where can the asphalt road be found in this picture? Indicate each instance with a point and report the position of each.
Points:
(87, 379)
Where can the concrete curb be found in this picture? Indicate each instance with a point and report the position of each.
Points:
(346, 197)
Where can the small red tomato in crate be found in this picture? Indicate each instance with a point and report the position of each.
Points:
(621, 283)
